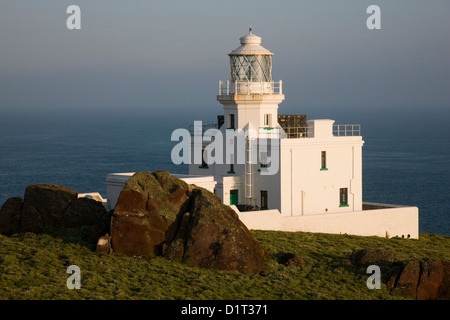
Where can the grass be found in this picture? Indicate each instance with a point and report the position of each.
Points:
(34, 267)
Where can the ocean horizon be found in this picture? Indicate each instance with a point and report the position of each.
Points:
(401, 164)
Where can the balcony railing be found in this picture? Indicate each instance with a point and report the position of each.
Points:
(296, 132)
(243, 87)
(339, 130)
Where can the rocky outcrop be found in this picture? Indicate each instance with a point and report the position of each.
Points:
(291, 259)
(48, 207)
(431, 275)
(10, 216)
(408, 279)
(43, 206)
(372, 256)
(212, 236)
(444, 288)
(104, 245)
(88, 214)
(158, 214)
(426, 279)
(146, 213)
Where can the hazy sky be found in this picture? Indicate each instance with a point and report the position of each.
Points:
(168, 56)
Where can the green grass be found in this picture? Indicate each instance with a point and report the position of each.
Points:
(34, 267)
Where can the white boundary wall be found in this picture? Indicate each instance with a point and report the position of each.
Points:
(387, 221)
(390, 221)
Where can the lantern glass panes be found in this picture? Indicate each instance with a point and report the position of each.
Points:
(251, 68)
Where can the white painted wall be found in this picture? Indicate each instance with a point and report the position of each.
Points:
(305, 188)
(227, 183)
(251, 108)
(392, 221)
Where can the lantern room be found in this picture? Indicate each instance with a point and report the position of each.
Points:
(250, 62)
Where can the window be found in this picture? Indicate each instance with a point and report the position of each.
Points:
(231, 121)
(251, 68)
(267, 119)
(323, 161)
(343, 197)
(264, 199)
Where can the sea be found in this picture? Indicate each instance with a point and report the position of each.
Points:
(405, 161)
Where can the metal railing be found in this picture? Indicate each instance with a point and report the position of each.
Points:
(346, 130)
(297, 132)
(339, 130)
(227, 88)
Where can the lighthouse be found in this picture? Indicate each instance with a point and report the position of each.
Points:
(295, 166)
(281, 171)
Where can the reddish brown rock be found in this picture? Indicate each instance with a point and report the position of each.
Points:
(146, 215)
(431, 275)
(216, 238)
(131, 201)
(409, 278)
(158, 214)
(444, 289)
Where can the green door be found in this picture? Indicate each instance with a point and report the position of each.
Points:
(234, 197)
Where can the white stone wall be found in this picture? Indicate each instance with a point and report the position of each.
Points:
(392, 221)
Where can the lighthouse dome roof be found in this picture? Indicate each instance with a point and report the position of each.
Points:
(250, 45)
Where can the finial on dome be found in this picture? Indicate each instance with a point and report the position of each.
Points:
(250, 29)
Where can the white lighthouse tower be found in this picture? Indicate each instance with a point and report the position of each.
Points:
(250, 100)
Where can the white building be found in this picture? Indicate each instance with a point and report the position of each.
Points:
(314, 179)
